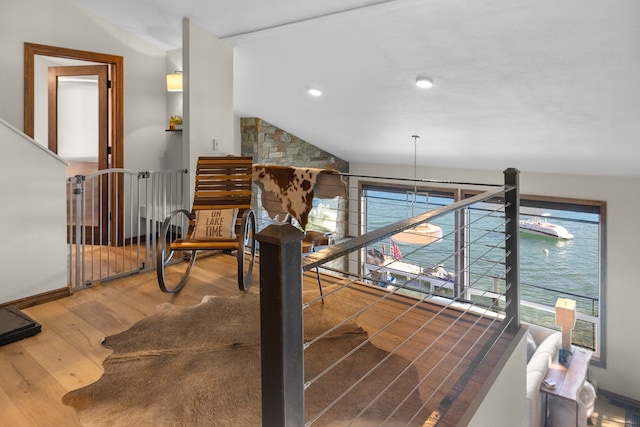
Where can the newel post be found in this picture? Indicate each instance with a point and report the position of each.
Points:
(512, 248)
(281, 330)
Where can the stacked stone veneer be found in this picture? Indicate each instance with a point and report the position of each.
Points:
(271, 145)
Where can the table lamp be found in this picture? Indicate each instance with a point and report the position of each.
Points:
(566, 319)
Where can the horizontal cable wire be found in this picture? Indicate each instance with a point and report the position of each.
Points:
(486, 272)
(392, 352)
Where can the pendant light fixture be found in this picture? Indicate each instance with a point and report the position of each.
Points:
(174, 82)
(425, 233)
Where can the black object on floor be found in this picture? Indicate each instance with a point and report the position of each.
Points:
(632, 418)
(15, 325)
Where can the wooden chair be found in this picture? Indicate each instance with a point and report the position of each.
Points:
(311, 240)
(222, 189)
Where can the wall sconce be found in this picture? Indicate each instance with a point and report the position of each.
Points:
(566, 319)
(174, 82)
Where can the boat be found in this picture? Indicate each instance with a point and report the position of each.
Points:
(542, 227)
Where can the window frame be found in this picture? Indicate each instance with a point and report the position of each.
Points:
(586, 206)
(526, 201)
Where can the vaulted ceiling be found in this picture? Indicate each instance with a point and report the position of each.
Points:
(543, 86)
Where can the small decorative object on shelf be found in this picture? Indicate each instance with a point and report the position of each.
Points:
(564, 356)
(175, 122)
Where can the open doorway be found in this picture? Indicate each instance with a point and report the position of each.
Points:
(78, 112)
(67, 69)
(78, 131)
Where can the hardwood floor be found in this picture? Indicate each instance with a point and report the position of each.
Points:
(36, 372)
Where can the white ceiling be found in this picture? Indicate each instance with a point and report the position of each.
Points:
(543, 86)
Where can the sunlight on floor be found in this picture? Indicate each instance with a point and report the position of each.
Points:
(607, 415)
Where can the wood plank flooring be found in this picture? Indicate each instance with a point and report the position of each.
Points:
(36, 372)
(440, 342)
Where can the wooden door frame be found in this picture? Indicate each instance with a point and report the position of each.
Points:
(95, 233)
(116, 75)
(103, 108)
(117, 86)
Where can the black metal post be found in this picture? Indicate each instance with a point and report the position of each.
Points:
(462, 258)
(281, 326)
(512, 248)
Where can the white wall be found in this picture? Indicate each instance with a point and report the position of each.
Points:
(78, 120)
(34, 258)
(622, 253)
(172, 158)
(64, 24)
(147, 146)
(208, 108)
(77, 111)
(509, 383)
(33, 255)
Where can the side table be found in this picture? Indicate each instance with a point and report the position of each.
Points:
(561, 402)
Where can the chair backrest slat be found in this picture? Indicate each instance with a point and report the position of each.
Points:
(222, 183)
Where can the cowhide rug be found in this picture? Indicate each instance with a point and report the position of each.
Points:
(291, 189)
(200, 366)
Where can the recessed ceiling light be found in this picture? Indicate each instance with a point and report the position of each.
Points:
(424, 82)
(315, 92)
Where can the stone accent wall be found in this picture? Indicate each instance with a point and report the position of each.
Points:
(269, 144)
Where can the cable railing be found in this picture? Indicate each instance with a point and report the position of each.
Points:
(341, 219)
(450, 300)
(420, 343)
(113, 219)
(125, 244)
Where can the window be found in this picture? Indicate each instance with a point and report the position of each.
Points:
(565, 268)
(550, 268)
(384, 205)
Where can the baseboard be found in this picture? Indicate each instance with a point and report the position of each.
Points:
(619, 400)
(38, 299)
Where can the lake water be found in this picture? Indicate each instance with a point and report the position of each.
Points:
(549, 268)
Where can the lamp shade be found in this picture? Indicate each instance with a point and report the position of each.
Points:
(422, 234)
(174, 82)
(566, 313)
(566, 319)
